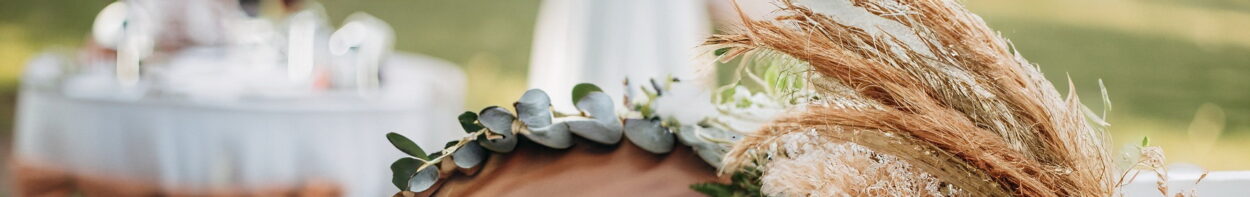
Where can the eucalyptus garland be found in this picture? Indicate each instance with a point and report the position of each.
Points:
(496, 129)
(659, 115)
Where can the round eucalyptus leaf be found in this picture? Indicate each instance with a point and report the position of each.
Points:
(503, 145)
(687, 135)
(600, 107)
(603, 125)
(583, 89)
(424, 179)
(593, 130)
(534, 108)
(712, 154)
(649, 135)
(470, 155)
(402, 169)
(498, 121)
(554, 136)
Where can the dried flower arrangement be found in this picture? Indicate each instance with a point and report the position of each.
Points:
(857, 98)
(925, 89)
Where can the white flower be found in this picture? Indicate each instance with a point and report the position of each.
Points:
(686, 103)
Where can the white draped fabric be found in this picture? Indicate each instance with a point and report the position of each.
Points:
(606, 41)
(244, 144)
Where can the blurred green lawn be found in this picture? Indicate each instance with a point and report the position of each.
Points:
(1157, 75)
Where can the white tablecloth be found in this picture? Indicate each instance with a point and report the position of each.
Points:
(245, 144)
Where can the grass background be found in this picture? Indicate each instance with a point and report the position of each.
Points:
(1177, 71)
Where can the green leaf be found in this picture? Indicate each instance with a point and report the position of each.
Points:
(450, 143)
(467, 121)
(406, 145)
(481, 139)
(646, 111)
(713, 189)
(748, 180)
(583, 89)
(740, 177)
(402, 169)
(772, 76)
(438, 153)
(721, 51)
(799, 83)
(744, 103)
(744, 182)
(727, 95)
(1145, 141)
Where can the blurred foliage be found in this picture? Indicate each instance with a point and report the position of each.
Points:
(1166, 63)
(1158, 69)
(744, 183)
(1147, 77)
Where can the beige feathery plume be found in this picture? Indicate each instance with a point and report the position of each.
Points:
(946, 95)
(854, 170)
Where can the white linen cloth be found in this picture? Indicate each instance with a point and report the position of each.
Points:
(181, 143)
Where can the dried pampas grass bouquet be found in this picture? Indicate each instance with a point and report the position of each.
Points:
(909, 98)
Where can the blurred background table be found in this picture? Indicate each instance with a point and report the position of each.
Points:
(244, 145)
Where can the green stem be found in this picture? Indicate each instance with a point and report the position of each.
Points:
(448, 151)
